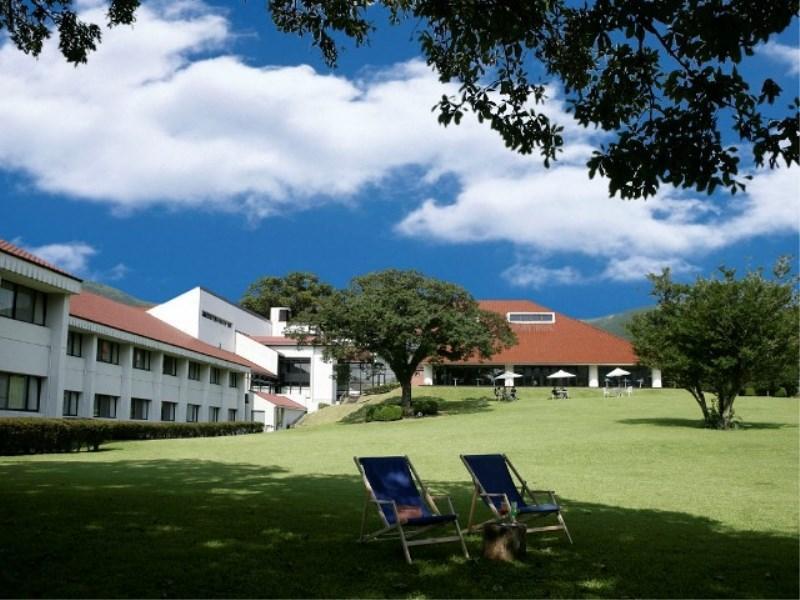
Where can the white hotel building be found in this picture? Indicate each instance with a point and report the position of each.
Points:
(67, 352)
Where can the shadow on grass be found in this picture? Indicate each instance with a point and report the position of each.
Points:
(697, 423)
(189, 528)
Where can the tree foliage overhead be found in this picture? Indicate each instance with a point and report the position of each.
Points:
(662, 74)
(720, 334)
(406, 318)
(30, 22)
(299, 291)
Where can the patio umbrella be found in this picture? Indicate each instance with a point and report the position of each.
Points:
(561, 375)
(507, 375)
(618, 373)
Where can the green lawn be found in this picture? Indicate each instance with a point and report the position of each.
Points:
(658, 507)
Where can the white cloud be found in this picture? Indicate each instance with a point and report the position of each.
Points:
(164, 115)
(788, 55)
(75, 257)
(70, 256)
(536, 276)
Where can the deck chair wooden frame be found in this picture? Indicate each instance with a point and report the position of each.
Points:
(524, 491)
(408, 533)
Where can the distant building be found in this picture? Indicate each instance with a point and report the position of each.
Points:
(547, 341)
(65, 352)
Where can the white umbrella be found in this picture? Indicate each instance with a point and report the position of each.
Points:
(560, 375)
(617, 373)
(508, 375)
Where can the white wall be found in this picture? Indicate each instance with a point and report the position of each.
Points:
(252, 350)
(242, 320)
(181, 312)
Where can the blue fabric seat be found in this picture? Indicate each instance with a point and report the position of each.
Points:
(494, 484)
(394, 487)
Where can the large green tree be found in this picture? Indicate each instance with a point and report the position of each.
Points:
(406, 318)
(302, 292)
(719, 334)
(662, 75)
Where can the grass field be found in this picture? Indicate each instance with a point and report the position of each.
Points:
(658, 507)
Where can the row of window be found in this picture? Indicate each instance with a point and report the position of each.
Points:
(105, 406)
(22, 303)
(216, 319)
(108, 352)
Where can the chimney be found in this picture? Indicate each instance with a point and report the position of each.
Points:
(279, 317)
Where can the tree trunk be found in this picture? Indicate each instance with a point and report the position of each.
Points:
(697, 394)
(725, 412)
(405, 387)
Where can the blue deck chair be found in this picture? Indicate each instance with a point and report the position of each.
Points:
(406, 511)
(494, 484)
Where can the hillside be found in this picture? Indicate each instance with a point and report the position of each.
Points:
(115, 294)
(616, 323)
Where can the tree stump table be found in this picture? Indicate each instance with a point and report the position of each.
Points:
(504, 541)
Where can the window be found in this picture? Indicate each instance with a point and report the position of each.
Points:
(168, 411)
(141, 359)
(22, 303)
(74, 344)
(107, 352)
(531, 317)
(192, 413)
(140, 409)
(71, 402)
(213, 414)
(294, 371)
(19, 392)
(217, 319)
(194, 371)
(233, 380)
(231, 414)
(105, 406)
(170, 365)
(214, 375)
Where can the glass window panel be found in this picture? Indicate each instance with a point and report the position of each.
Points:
(23, 308)
(6, 299)
(40, 308)
(33, 393)
(16, 392)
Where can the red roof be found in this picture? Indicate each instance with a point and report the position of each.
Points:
(13, 250)
(273, 340)
(565, 342)
(281, 401)
(105, 311)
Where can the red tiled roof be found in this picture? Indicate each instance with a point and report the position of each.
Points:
(104, 311)
(281, 401)
(13, 250)
(273, 340)
(565, 342)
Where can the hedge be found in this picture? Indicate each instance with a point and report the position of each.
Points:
(37, 436)
(387, 412)
(425, 407)
(381, 389)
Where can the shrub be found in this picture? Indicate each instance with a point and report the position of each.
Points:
(322, 405)
(28, 435)
(749, 391)
(387, 412)
(780, 392)
(425, 407)
(380, 389)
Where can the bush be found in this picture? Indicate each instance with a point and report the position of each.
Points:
(749, 391)
(425, 407)
(37, 436)
(322, 405)
(380, 389)
(780, 393)
(384, 412)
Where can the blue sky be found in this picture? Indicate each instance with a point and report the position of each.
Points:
(204, 148)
